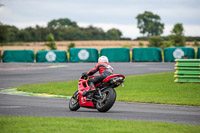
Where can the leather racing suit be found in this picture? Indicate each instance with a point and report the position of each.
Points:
(104, 70)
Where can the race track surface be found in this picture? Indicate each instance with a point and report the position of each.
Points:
(12, 74)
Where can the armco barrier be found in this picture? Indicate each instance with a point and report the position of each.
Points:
(18, 56)
(116, 54)
(198, 53)
(51, 56)
(187, 70)
(170, 54)
(147, 54)
(83, 55)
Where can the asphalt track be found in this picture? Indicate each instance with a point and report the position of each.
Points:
(12, 74)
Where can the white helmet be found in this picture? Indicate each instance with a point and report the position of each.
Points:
(103, 59)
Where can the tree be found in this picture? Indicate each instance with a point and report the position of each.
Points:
(33, 35)
(149, 24)
(113, 34)
(63, 22)
(3, 33)
(41, 33)
(62, 29)
(177, 37)
(94, 33)
(12, 33)
(178, 29)
(24, 35)
(50, 42)
(72, 33)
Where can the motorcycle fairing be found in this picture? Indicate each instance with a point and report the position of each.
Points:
(112, 76)
(83, 86)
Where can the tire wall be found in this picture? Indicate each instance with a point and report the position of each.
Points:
(51, 56)
(83, 55)
(18, 56)
(170, 54)
(116, 54)
(147, 54)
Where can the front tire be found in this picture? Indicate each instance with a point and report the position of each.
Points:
(74, 102)
(109, 97)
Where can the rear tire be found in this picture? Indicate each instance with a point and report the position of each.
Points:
(74, 102)
(109, 97)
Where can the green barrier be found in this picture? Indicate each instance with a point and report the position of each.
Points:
(116, 54)
(188, 61)
(147, 54)
(181, 80)
(187, 76)
(187, 70)
(170, 54)
(188, 64)
(198, 53)
(51, 56)
(83, 55)
(18, 56)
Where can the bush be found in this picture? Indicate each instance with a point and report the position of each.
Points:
(155, 41)
(166, 44)
(141, 44)
(50, 42)
(71, 45)
(196, 44)
(177, 40)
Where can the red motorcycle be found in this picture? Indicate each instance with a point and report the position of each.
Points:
(102, 98)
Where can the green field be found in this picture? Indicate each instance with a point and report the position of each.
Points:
(151, 88)
(88, 125)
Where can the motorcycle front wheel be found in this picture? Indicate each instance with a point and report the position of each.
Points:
(109, 97)
(74, 102)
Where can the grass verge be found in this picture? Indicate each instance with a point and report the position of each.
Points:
(89, 125)
(151, 88)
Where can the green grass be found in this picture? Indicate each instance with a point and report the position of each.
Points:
(88, 125)
(151, 88)
(159, 88)
(57, 88)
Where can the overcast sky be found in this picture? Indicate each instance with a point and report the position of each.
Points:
(105, 14)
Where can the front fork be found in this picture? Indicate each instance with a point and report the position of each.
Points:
(75, 96)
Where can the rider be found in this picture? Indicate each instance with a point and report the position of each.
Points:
(104, 70)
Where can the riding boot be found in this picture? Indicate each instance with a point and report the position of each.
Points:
(91, 84)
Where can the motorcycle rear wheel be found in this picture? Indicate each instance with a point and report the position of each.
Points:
(109, 97)
(74, 102)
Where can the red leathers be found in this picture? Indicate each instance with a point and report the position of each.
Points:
(104, 70)
(101, 67)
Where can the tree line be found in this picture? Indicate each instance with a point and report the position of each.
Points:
(62, 29)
